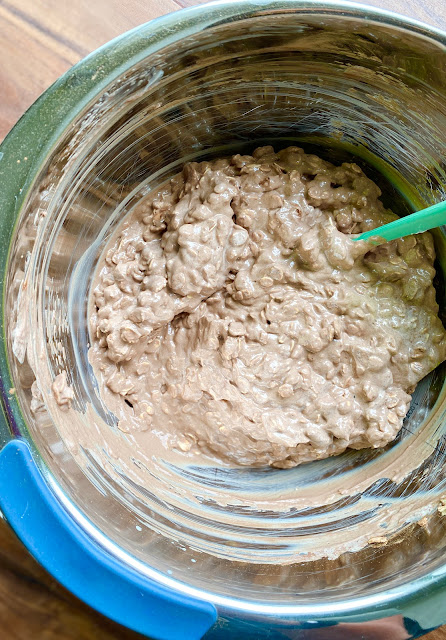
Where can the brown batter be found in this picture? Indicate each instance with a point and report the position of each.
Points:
(233, 315)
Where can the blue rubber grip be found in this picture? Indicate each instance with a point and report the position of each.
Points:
(83, 567)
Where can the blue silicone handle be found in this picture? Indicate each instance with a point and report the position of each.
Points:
(88, 571)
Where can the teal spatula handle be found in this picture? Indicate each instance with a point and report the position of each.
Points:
(423, 220)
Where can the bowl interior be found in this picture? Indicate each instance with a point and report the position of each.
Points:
(337, 85)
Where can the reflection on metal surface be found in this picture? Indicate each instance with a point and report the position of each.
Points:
(355, 533)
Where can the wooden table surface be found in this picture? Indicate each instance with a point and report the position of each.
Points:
(39, 40)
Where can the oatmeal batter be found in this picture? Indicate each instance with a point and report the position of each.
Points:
(233, 315)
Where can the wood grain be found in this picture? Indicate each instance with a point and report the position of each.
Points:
(39, 40)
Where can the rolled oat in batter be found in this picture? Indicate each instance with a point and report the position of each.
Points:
(233, 315)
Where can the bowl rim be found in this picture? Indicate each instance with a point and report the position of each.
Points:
(30, 144)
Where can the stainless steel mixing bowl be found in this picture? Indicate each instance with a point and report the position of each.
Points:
(350, 540)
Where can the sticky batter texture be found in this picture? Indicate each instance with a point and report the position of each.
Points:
(233, 315)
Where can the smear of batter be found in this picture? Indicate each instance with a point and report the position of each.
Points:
(62, 392)
(233, 315)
